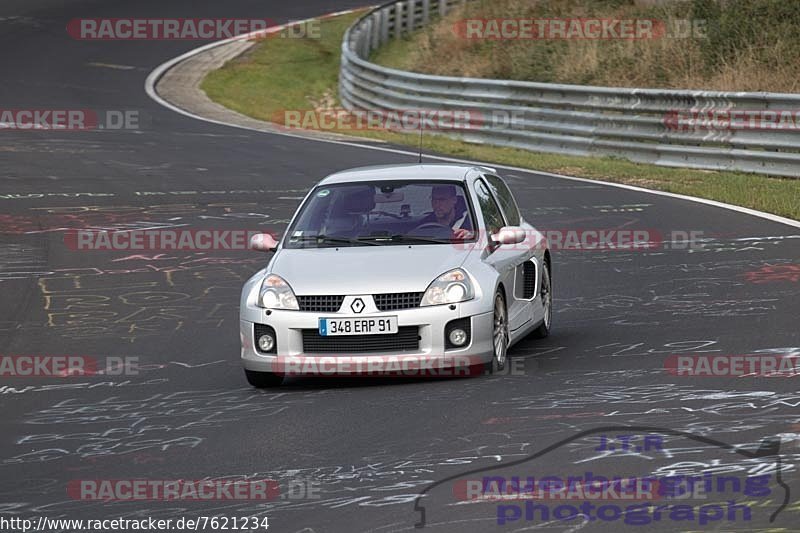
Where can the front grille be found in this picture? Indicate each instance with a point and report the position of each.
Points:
(406, 339)
(322, 304)
(397, 300)
(529, 280)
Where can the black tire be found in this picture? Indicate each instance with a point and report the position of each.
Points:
(263, 380)
(501, 313)
(545, 294)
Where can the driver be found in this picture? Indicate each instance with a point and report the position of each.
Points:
(443, 203)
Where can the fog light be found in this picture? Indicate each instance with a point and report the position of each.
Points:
(458, 337)
(266, 342)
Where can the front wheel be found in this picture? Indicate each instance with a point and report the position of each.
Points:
(499, 334)
(263, 380)
(546, 297)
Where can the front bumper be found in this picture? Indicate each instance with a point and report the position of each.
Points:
(430, 321)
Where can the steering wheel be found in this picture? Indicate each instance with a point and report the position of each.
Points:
(433, 225)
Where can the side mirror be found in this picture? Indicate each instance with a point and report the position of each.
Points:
(263, 242)
(509, 235)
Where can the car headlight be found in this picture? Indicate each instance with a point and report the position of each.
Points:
(277, 294)
(449, 288)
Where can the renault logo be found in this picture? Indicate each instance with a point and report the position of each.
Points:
(357, 306)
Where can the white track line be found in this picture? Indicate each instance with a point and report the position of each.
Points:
(159, 71)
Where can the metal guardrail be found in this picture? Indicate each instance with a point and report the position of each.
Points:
(645, 125)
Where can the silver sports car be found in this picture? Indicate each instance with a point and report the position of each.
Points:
(396, 268)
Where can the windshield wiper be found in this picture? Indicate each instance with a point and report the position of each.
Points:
(406, 238)
(334, 240)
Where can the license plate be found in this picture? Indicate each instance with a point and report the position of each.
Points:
(376, 325)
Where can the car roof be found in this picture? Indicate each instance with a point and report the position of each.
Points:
(426, 171)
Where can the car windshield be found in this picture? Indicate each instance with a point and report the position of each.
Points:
(383, 213)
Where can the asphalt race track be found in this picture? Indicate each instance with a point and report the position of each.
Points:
(356, 453)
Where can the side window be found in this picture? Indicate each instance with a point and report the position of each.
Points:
(505, 198)
(492, 217)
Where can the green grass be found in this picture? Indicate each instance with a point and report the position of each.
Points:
(280, 74)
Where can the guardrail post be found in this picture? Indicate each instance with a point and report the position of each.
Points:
(377, 26)
(442, 8)
(401, 19)
(426, 12)
(364, 41)
(384, 25)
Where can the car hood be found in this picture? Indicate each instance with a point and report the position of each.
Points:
(365, 269)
